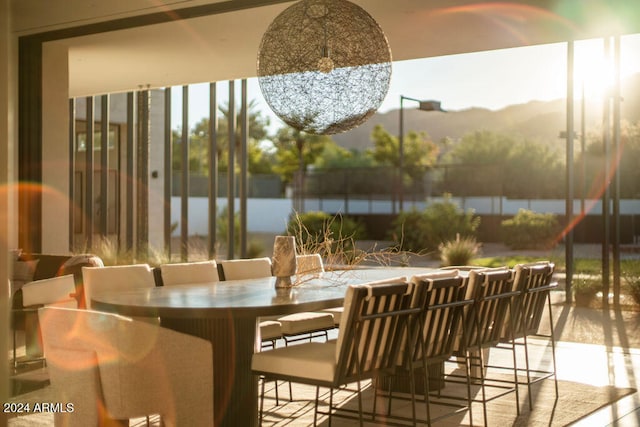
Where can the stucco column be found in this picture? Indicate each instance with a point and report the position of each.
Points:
(55, 148)
(8, 96)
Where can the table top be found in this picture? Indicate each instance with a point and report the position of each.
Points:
(251, 297)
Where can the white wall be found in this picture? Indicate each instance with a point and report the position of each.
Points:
(271, 215)
(55, 149)
(263, 215)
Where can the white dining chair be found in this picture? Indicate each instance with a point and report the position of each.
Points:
(57, 291)
(189, 273)
(269, 328)
(307, 325)
(253, 268)
(115, 278)
(250, 268)
(111, 367)
(311, 265)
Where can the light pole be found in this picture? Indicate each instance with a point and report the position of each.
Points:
(424, 106)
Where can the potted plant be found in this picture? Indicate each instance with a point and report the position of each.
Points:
(585, 288)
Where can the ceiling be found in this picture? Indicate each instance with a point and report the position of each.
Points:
(223, 46)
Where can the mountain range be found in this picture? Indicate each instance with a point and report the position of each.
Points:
(536, 120)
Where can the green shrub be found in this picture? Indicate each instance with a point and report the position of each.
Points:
(222, 229)
(459, 251)
(255, 248)
(530, 230)
(438, 223)
(632, 282)
(409, 231)
(585, 287)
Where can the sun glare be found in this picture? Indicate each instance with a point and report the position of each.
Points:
(593, 69)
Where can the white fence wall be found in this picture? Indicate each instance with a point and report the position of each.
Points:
(263, 215)
(271, 215)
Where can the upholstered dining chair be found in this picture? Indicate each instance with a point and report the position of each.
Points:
(250, 268)
(254, 268)
(119, 277)
(57, 291)
(372, 326)
(111, 367)
(189, 273)
(307, 325)
(269, 327)
(309, 265)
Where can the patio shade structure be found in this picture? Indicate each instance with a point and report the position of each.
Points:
(424, 106)
(76, 50)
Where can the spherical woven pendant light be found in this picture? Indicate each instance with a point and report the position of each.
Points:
(324, 66)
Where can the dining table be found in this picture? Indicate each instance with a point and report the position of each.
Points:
(226, 313)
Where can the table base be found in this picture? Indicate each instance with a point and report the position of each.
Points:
(235, 388)
(402, 383)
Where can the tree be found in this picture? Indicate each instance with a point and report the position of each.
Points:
(292, 147)
(481, 147)
(485, 163)
(420, 153)
(533, 170)
(626, 162)
(258, 159)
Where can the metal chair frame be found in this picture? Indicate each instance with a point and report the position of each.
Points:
(375, 326)
(491, 313)
(535, 283)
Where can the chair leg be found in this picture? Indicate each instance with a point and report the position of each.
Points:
(467, 366)
(412, 388)
(553, 345)
(427, 388)
(515, 361)
(482, 387)
(315, 410)
(528, 369)
(390, 397)
(375, 396)
(330, 405)
(15, 360)
(359, 405)
(260, 411)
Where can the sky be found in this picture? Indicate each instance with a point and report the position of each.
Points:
(492, 80)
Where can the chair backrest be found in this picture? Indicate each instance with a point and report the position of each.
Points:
(252, 268)
(534, 281)
(189, 273)
(493, 293)
(371, 329)
(113, 366)
(441, 298)
(59, 291)
(120, 277)
(309, 264)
